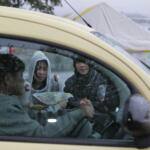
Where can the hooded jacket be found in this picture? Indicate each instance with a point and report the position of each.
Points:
(51, 84)
(94, 87)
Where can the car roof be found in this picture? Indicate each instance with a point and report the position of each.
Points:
(53, 21)
(41, 18)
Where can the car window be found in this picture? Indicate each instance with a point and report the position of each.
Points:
(67, 79)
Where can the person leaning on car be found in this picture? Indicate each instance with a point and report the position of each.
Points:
(16, 121)
(88, 83)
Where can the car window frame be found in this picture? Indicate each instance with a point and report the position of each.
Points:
(101, 142)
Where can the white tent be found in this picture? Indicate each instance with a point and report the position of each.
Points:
(117, 27)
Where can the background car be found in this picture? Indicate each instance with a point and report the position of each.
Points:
(22, 33)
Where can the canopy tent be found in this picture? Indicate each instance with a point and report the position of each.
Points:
(116, 26)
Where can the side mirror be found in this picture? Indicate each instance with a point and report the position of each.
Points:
(136, 119)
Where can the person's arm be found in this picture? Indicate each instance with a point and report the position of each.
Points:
(21, 124)
(62, 127)
(41, 115)
(72, 101)
(111, 97)
(69, 85)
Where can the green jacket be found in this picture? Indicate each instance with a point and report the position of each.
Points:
(15, 121)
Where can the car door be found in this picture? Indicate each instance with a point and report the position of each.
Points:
(62, 65)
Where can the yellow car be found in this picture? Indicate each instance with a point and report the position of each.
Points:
(88, 66)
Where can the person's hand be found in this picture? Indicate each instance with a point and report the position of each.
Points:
(55, 77)
(37, 106)
(27, 87)
(87, 107)
(63, 104)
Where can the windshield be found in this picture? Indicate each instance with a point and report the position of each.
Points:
(140, 63)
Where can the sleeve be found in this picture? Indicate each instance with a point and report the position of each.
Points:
(69, 85)
(21, 124)
(73, 102)
(112, 98)
(42, 115)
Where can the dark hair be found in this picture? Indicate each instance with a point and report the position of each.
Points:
(10, 64)
(38, 62)
(80, 59)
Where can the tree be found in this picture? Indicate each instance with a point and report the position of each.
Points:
(46, 6)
